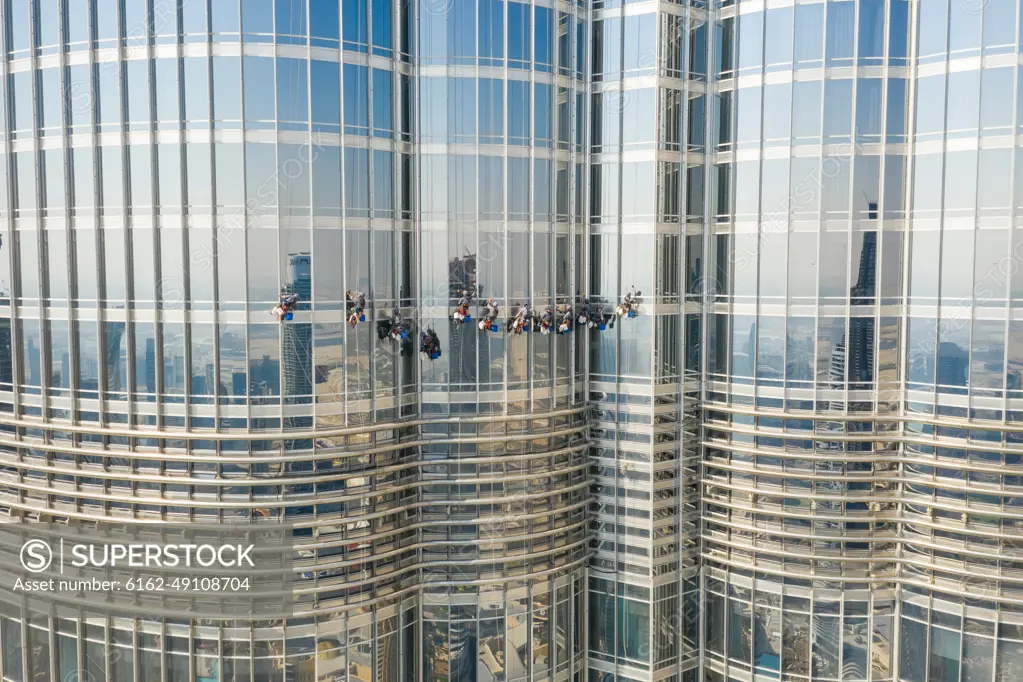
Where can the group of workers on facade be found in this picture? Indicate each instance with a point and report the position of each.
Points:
(397, 328)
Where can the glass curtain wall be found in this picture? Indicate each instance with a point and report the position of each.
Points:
(808, 223)
(174, 169)
(962, 350)
(858, 385)
(817, 202)
(648, 93)
(499, 93)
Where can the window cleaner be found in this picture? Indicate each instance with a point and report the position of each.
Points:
(585, 314)
(520, 323)
(597, 319)
(547, 321)
(629, 305)
(489, 321)
(399, 328)
(356, 305)
(396, 328)
(461, 314)
(567, 320)
(429, 344)
(285, 309)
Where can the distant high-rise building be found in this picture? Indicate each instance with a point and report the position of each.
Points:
(115, 357)
(150, 366)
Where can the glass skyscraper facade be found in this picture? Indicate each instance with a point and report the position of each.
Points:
(800, 462)
(861, 386)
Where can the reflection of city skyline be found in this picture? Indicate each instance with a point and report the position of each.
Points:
(232, 357)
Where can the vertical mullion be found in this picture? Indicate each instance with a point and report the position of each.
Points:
(343, 219)
(485, 337)
(371, 236)
(213, 392)
(7, 211)
(502, 252)
(705, 316)
(416, 169)
(282, 219)
(1013, 199)
(42, 279)
(530, 204)
(246, 220)
(913, 68)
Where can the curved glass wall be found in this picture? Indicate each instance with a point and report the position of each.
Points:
(859, 423)
(170, 170)
(960, 579)
(498, 92)
(501, 162)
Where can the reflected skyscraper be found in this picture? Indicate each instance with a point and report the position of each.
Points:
(115, 358)
(464, 347)
(297, 339)
(150, 365)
